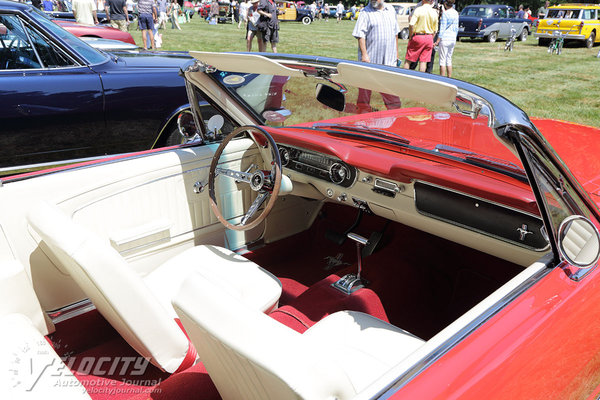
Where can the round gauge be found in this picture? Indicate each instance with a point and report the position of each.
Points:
(338, 173)
(285, 156)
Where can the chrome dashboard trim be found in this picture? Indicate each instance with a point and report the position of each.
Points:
(336, 159)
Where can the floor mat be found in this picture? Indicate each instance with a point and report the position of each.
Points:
(423, 281)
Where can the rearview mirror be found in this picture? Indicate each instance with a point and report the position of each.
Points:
(578, 241)
(330, 97)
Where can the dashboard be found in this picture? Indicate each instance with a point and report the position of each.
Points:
(481, 222)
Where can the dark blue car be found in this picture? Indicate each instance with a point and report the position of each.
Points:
(60, 99)
(491, 22)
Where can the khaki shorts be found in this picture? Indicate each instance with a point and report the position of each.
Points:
(119, 24)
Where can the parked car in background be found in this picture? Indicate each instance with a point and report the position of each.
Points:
(491, 22)
(403, 12)
(579, 22)
(289, 11)
(61, 99)
(476, 275)
(96, 31)
(68, 15)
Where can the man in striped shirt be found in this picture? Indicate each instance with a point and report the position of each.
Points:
(377, 32)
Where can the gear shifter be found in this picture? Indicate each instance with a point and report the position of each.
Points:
(350, 283)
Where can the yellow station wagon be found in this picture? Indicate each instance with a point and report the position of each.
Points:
(575, 21)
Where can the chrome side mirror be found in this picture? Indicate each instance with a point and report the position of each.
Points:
(187, 127)
(579, 241)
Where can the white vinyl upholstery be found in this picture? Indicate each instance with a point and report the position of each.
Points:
(29, 366)
(140, 311)
(249, 355)
(241, 277)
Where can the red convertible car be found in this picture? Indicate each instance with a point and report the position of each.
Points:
(98, 31)
(339, 230)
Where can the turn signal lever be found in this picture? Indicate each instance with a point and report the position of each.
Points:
(350, 283)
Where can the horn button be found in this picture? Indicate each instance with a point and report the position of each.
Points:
(257, 181)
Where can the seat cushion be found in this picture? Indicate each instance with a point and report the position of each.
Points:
(29, 366)
(366, 346)
(241, 278)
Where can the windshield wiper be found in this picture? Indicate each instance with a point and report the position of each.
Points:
(484, 161)
(362, 129)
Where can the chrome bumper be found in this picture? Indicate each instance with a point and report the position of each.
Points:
(552, 35)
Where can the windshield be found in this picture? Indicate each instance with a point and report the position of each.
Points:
(476, 12)
(307, 102)
(91, 55)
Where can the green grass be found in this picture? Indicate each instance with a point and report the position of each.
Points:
(562, 87)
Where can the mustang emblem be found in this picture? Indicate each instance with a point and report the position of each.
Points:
(523, 232)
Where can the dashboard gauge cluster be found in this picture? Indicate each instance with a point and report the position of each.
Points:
(318, 165)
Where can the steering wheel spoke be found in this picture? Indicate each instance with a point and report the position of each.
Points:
(260, 199)
(237, 175)
(266, 183)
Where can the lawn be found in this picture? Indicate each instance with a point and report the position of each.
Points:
(563, 87)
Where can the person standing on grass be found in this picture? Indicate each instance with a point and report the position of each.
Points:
(116, 10)
(268, 25)
(339, 11)
(173, 12)
(422, 26)
(377, 33)
(541, 12)
(251, 30)
(146, 21)
(84, 12)
(447, 37)
(244, 6)
(162, 13)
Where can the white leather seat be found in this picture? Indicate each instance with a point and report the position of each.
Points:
(29, 366)
(139, 308)
(249, 355)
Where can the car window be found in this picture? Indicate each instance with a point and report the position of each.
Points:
(15, 48)
(512, 14)
(587, 14)
(50, 56)
(477, 12)
(502, 13)
(91, 55)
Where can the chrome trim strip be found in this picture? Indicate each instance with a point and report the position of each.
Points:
(470, 227)
(322, 155)
(446, 346)
(71, 311)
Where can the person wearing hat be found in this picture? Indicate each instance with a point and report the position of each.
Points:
(251, 28)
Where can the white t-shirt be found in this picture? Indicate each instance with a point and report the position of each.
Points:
(244, 9)
(84, 10)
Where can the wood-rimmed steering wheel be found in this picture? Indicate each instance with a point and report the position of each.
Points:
(266, 183)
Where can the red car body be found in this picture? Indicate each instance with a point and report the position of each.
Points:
(100, 31)
(535, 335)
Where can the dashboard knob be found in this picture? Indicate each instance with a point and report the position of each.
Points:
(338, 173)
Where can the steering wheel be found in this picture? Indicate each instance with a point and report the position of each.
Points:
(266, 183)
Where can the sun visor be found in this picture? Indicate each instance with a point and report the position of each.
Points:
(403, 86)
(244, 63)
